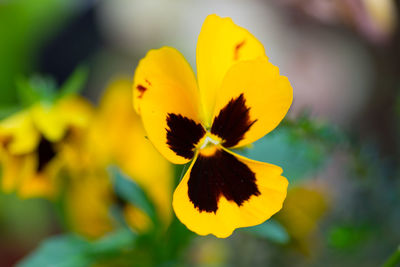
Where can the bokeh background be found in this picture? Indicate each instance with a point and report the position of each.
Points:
(339, 146)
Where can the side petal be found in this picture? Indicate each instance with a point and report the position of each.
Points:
(221, 44)
(164, 84)
(11, 170)
(48, 121)
(253, 100)
(53, 120)
(19, 134)
(230, 215)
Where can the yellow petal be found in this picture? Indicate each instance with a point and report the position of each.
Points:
(164, 84)
(36, 183)
(88, 203)
(53, 120)
(75, 111)
(256, 87)
(137, 219)
(221, 44)
(11, 168)
(229, 215)
(20, 132)
(48, 122)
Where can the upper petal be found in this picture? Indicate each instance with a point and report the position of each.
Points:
(53, 120)
(164, 84)
(217, 204)
(221, 44)
(19, 134)
(252, 101)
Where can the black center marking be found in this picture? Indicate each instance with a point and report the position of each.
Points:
(46, 153)
(217, 175)
(232, 122)
(183, 134)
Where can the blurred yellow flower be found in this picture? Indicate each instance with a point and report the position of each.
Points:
(115, 136)
(301, 214)
(30, 141)
(238, 98)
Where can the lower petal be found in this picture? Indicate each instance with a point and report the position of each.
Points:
(230, 215)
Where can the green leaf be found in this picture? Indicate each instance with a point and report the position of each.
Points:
(130, 191)
(26, 94)
(60, 251)
(394, 259)
(73, 251)
(35, 89)
(298, 157)
(270, 230)
(75, 83)
(349, 237)
(6, 111)
(123, 238)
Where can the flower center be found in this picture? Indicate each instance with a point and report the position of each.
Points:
(208, 144)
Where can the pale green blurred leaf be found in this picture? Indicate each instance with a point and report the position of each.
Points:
(35, 89)
(59, 251)
(73, 251)
(75, 83)
(301, 147)
(271, 230)
(130, 191)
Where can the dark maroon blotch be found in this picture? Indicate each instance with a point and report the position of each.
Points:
(237, 48)
(220, 175)
(232, 122)
(183, 134)
(46, 153)
(141, 90)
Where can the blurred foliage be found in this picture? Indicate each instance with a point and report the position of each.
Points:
(24, 26)
(72, 250)
(300, 146)
(270, 230)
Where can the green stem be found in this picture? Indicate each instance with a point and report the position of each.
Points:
(394, 259)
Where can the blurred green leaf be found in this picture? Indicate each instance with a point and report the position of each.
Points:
(75, 82)
(24, 26)
(61, 251)
(127, 189)
(73, 251)
(113, 242)
(271, 230)
(26, 94)
(6, 111)
(348, 237)
(35, 89)
(394, 259)
(300, 147)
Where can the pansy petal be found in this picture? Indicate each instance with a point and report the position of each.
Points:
(253, 100)
(229, 215)
(11, 170)
(53, 120)
(19, 134)
(221, 44)
(165, 95)
(47, 120)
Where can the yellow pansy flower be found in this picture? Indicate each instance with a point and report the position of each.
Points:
(115, 137)
(303, 210)
(238, 98)
(30, 141)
